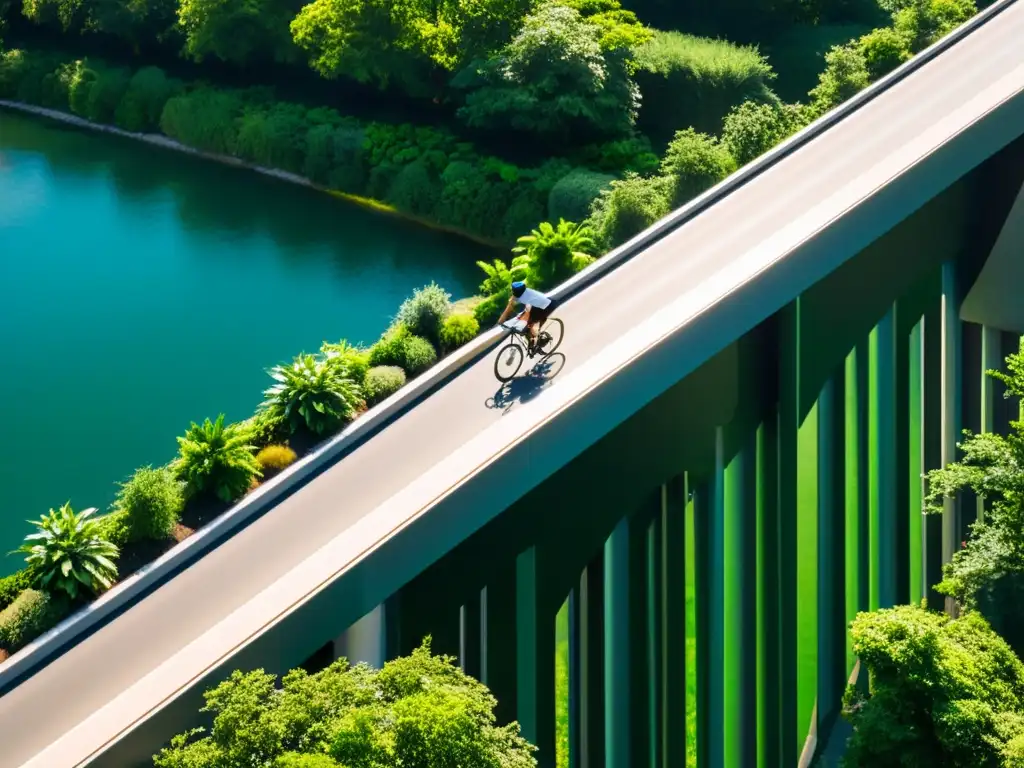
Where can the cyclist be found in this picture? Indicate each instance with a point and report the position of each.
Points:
(538, 308)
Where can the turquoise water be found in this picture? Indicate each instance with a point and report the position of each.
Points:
(141, 289)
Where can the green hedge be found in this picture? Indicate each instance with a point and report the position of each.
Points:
(688, 81)
(29, 616)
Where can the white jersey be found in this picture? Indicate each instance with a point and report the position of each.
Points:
(532, 298)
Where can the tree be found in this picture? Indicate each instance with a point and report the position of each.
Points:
(991, 562)
(237, 31)
(552, 80)
(419, 711)
(944, 692)
(846, 73)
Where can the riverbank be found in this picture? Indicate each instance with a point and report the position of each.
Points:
(165, 142)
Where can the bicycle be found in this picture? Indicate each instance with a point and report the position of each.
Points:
(510, 357)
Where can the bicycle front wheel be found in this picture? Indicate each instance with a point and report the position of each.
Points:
(554, 330)
(508, 362)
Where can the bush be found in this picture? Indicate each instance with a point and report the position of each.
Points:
(273, 136)
(205, 119)
(114, 528)
(695, 162)
(752, 128)
(32, 614)
(144, 99)
(425, 311)
(524, 213)
(694, 81)
(458, 330)
(106, 94)
(883, 50)
(265, 428)
(572, 196)
(298, 760)
(628, 207)
(275, 458)
(554, 254)
(13, 585)
(943, 691)
(382, 381)
(313, 392)
(336, 157)
(414, 190)
(398, 346)
(151, 503)
(354, 360)
(923, 22)
(216, 459)
(82, 80)
(68, 552)
(489, 310)
(419, 710)
(845, 74)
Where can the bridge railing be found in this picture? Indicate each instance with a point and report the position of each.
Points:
(137, 586)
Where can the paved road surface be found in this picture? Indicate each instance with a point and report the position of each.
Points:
(858, 151)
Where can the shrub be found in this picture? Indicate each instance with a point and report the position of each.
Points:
(106, 94)
(489, 310)
(694, 81)
(695, 162)
(298, 760)
(420, 710)
(14, 68)
(32, 614)
(555, 253)
(275, 458)
(398, 346)
(425, 311)
(943, 691)
(414, 190)
(151, 503)
(314, 392)
(572, 196)
(752, 128)
(458, 330)
(13, 585)
(522, 215)
(82, 80)
(354, 360)
(336, 156)
(114, 528)
(273, 135)
(265, 428)
(845, 74)
(923, 22)
(883, 50)
(382, 381)
(216, 459)
(628, 207)
(205, 119)
(144, 99)
(68, 552)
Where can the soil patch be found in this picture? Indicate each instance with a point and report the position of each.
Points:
(141, 553)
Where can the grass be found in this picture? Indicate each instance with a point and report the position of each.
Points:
(707, 60)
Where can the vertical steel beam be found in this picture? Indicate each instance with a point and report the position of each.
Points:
(882, 440)
(592, 697)
(915, 451)
(950, 404)
(470, 637)
(716, 606)
(617, 736)
(498, 641)
(535, 656)
(991, 359)
(768, 673)
(673, 623)
(702, 512)
(831, 551)
(856, 486)
(934, 525)
(972, 373)
(740, 605)
(575, 684)
(653, 566)
(639, 634)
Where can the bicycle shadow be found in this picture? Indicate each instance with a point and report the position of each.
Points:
(522, 389)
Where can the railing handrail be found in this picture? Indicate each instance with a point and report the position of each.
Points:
(126, 593)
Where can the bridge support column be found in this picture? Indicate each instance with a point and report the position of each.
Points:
(591, 666)
(535, 654)
(882, 440)
(673, 623)
(855, 472)
(769, 682)
(365, 641)
(950, 406)
(917, 584)
(617, 730)
(739, 630)
(934, 525)
(498, 641)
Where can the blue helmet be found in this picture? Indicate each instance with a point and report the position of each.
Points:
(517, 288)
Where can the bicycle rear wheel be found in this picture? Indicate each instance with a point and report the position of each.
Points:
(508, 362)
(554, 329)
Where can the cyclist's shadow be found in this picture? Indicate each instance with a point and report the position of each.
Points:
(522, 389)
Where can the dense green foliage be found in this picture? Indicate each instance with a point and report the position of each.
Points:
(459, 329)
(425, 311)
(943, 692)
(315, 392)
(419, 711)
(214, 458)
(399, 346)
(555, 253)
(382, 381)
(12, 586)
(31, 614)
(274, 458)
(68, 553)
(150, 503)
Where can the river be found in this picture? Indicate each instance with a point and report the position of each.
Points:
(141, 289)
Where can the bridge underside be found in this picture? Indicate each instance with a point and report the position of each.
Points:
(702, 561)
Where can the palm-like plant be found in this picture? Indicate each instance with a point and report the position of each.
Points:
(555, 253)
(499, 277)
(68, 553)
(216, 458)
(314, 391)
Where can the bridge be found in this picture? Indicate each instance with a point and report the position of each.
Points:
(718, 468)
